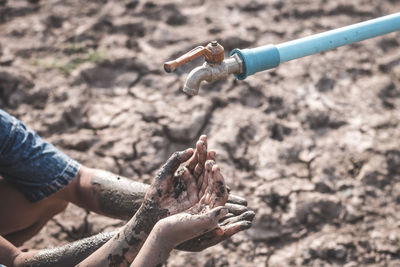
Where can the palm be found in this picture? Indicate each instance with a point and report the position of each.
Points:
(189, 189)
(179, 191)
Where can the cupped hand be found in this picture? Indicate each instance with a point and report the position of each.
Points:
(183, 226)
(204, 215)
(228, 226)
(174, 191)
(239, 218)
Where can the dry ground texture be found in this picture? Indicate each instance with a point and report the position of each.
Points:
(313, 145)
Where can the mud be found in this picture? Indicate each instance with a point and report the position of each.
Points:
(148, 215)
(71, 254)
(173, 163)
(179, 187)
(312, 145)
(236, 200)
(221, 189)
(118, 197)
(246, 216)
(118, 260)
(131, 237)
(207, 239)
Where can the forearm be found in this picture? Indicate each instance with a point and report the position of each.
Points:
(109, 194)
(123, 247)
(65, 256)
(154, 252)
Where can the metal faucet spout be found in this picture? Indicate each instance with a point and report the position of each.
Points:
(195, 77)
(212, 72)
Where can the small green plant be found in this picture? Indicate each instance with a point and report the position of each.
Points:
(68, 64)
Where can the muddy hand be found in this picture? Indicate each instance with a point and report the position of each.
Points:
(216, 194)
(238, 219)
(176, 191)
(196, 164)
(229, 227)
(213, 192)
(184, 226)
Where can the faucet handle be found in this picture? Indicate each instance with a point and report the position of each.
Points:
(170, 66)
(213, 53)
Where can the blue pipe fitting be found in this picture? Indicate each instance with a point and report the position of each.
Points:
(257, 59)
(270, 56)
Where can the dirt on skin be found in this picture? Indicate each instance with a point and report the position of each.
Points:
(313, 145)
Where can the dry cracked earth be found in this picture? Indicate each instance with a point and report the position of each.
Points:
(312, 145)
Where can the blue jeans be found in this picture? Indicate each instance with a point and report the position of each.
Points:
(33, 166)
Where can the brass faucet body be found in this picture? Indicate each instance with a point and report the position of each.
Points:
(215, 68)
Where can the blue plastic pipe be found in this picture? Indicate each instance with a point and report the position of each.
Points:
(270, 56)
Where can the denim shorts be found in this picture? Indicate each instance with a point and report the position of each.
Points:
(33, 166)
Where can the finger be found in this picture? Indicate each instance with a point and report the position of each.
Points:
(209, 192)
(174, 162)
(203, 138)
(246, 216)
(236, 209)
(211, 155)
(195, 158)
(208, 188)
(206, 222)
(201, 148)
(191, 187)
(231, 229)
(199, 152)
(213, 237)
(205, 178)
(202, 200)
(192, 162)
(217, 213)
(220, 194)
(227, 216)
(236, 200)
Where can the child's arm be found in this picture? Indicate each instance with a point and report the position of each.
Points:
(173, 230)
(170, 193)
(124, 246)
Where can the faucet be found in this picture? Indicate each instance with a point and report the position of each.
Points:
(245, 62)
(215, 68)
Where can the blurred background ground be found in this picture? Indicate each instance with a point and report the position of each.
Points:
(313, 145)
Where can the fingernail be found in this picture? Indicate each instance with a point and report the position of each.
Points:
(245, 225)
